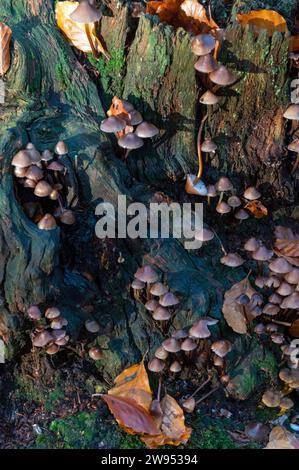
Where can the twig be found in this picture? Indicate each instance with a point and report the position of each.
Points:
(200, 164)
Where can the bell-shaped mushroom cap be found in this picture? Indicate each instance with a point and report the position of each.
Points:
(200, 330)
(146, 130)
(224, 184)
(272, 281)
(161, 353)
(271, 398)
(285, 289)
(292, 112)
(22, 159)
(52, 349)
(203, 44)
(211, 191)
(251, 194)
(234, 201)
(113, 124)
(146, 274)
(34, 312)
(43, 189)
(275, 299)
(61, 148)
(56, 166)
(62, 341)
(179, 334)
(218, 361)
(130, 141)
(198, 188)
(156, 365)
(175, 367)
(151, 305)
(260, 281)
(292, 301)
(294, 146)
(280, 266)
(241, 214)
(222, 76)
(68, 217)
(252, 244)
(223, 208)
(169, 300)
(277, 338)
(34, 173)
(208, 146)
(209, 98)
(209, 320)
(286, 403)
(292, 277)
(233, 260)
(47, 155)
(92, 326)
(289, 376)
(262, 254)
(135, 118)
(189, 405)
(137, 284)
(29, 183)
(206, 64)
(259, 329)
(58, 334)
(52, 312)
(221, 347)
(57, 323)
(158, 289)
(35, 156)
(95, 353)
(242, 299)
(172, 345)
(85, 13)
(30, 146)
(161, 314)
(54, 195)
(20, 172)
(47, 222)
(188, 345)
(271, 309)
(204, 235)
(42, 339)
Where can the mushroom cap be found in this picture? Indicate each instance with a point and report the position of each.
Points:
(271, 328)
(292, 112)
(218, 361)
(58, 334)
(208, 146)
(29, 183)
(156, 365)
(34, 312)
(175, 367)
(259, 329)
(42, 339)
(200, 330)
(67, 217)
(62, 341)
(206, 64)
(146, 274)
(161, 353)
(211, 191)
(198, 189)
(242, 299)
(57, 323)
(271, 309)
(272, 281)
(55, 166)
(251, 194)
(291, 301)
(137, 284)
(260, 281)
(20, 172)
(277, 338)
(85, 13)
(241, 215)
(130, 141)
(52, 312)
(233, 260)
(222, 76)
(169, 300)
(179, 334)
(221, 347)
(21, 159)
(161, 314)
(47, 222)
(189, 405)
(204, 235)
(113, 124)
(188, 345)
(52, 349)
(285, 289)
(54, 195)
(209, 98)
(234, 201)
(286, 403)
(151, 305)
(158, 289)
(43, 189)
(146, 130)
(280, 266)
(262, 254)
(294, 146)
(252, 244)
(275, 299)
(35, 156)
(30, 146)
(61, 148)
(292, 277)
(257, 432)
(271, 398)
(224, 184)
(95, 353)
(92, 326)
(223, 208)
(135, 118)
(203, 44)
(34, 173)
(289, 376)
(46, 156)
(172, 345)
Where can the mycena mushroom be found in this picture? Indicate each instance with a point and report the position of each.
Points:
(87, 14)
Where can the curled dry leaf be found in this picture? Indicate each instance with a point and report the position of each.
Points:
(280, 438)
(287, 244)
(5, 38)
(237, 315)
(294, 329)
(75, 32)
(260, 20)
(257, 209)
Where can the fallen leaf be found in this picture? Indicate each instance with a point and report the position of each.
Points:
(294, 44)
(75, 32)
(257, 209)
(287, 244)
(280, 438)
(294, 329)
(5, 38)
(260, 20)
(237, 315)
(117, 109)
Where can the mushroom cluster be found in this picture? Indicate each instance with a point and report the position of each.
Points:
(49, 329)
(127, 124)
(40, 185)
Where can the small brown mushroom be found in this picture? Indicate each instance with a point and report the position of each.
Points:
(156, 365)
(203, 44)
(95, 353)
(92, 326)
(47, 222)
(233, 260)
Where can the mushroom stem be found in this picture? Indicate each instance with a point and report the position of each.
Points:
(207, 395)
(200, 387)
(221, 197)
(220, 242)
(90, 40)
(159, 388)
(200, 164)
(126, 154)
(283, 323)
(296, 164)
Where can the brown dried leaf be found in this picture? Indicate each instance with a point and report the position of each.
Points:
(287, 244)
(268, 20)
(294, 329)
(5, 38)
(257, 209)
(234, 313)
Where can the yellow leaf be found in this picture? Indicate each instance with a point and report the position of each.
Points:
(75, 32)
(257, 209)
(268, 20)
(5, 37)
